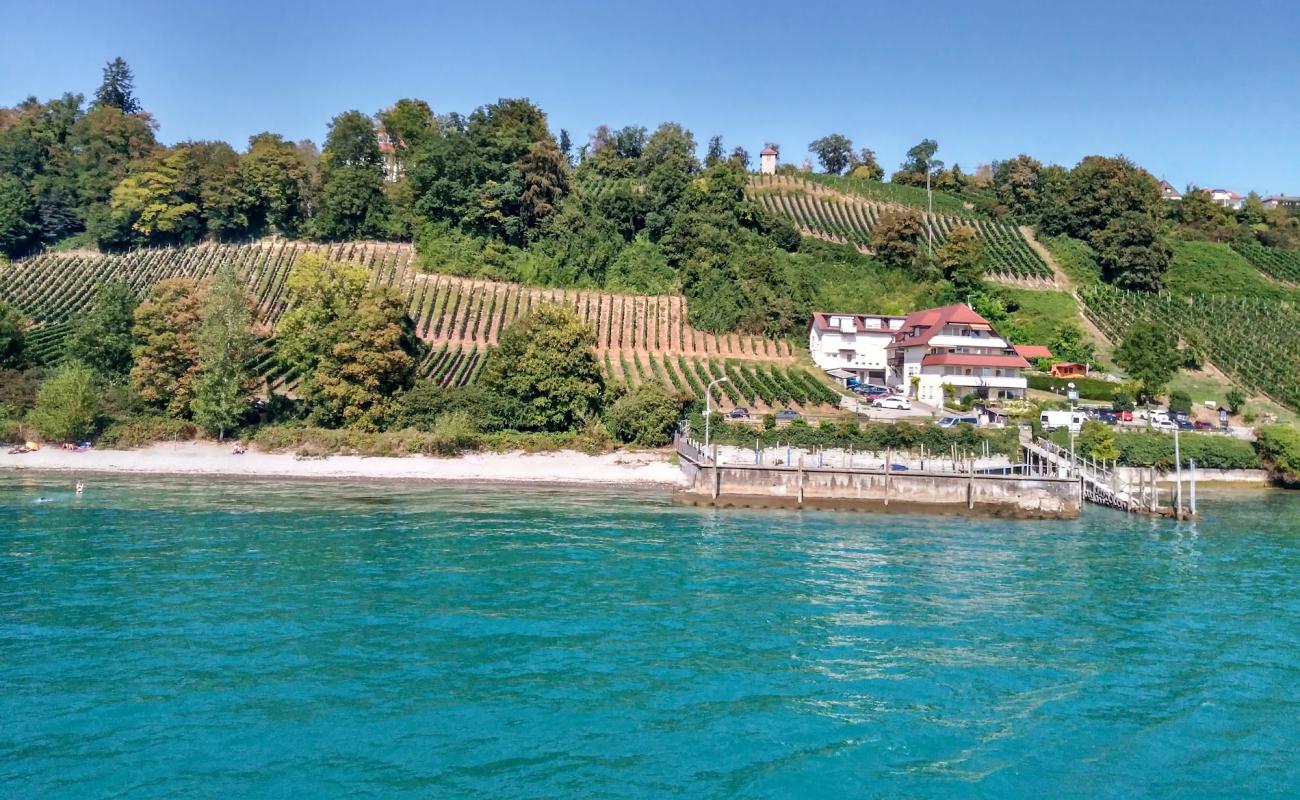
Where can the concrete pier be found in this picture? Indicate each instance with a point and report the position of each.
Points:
(810, 486)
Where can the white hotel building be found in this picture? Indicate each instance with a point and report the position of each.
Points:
(949, 346)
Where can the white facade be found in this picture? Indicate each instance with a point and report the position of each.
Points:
(1227, 198)
(954, 347)
(854, 343)
(767, 161)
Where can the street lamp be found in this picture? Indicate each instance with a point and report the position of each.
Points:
(708, 410)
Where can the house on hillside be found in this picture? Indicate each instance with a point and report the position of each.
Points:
(1227, 198)
(1168, 192)
(954, 347)
(388, 149)
(853, 344)
(1287, 201)
(767, 160)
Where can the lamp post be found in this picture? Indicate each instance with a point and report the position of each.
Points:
(708, 410)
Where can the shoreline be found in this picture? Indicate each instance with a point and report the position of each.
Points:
(642, 469)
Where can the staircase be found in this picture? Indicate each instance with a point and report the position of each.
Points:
(1100, 485)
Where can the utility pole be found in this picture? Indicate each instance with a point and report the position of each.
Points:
(1178, 478)
(708, 409)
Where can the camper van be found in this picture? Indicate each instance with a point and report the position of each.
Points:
(1072, 420)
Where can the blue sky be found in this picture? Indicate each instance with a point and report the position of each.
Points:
(1194, 91)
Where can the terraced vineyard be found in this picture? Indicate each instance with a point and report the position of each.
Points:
(54, 287)
(1275, 261)
(1254, 341)
(759, 385)
(846, 219)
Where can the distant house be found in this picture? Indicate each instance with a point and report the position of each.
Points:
(1227, 198)
(767, 160)
(1288, 201)
(388, 145)
(954, 347)
(1168, 192)
(852, 345)
(1031, 351)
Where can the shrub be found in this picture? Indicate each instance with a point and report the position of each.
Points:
(645, 416)
(1180, 401)
(1279, 447)
(142, 431)
(1088, 388)
(769, 422)
(1209, 451)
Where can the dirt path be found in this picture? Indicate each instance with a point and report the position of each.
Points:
(1067, 285)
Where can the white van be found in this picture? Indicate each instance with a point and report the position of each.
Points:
(1071, 420)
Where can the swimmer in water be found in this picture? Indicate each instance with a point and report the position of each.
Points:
(42, 500)
(81, 487)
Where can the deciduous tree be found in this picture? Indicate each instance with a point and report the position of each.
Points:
(353, 204)
(12, 338)
(166, 352)
(1131, 252)
(962, 258)
(895, 237)
(834, 152)
(546, 366)
(644, 416)
(66, 404)
(223, 387)
(101, 338)
(1149, 354)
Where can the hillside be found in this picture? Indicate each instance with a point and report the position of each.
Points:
(841, 215)
(638, 337)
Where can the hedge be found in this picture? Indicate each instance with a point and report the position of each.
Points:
(1279, 445)
(872, 437)
(1209, 451)
(1089, 388)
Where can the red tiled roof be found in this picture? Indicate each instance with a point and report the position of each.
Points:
(1032, 351)
(932, 320)
(968, 360)
(769, 151)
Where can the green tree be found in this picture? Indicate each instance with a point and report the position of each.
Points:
(715, 155)
(1016, 184)
(1104, 189)
(834, 152)
(66, 404)
(12, 337)
(277, 181)
(101, 338)
(352, 346)
(353, 204)
(644, 416)
(1236, 400)
(1069, 344)
(546, 367)
(1149, 354)
(865, 166)
(407, 123)
(1131, 252)
(223, 387)
(1180, 401)
(153, 202)
(1097, 440)
(962, 258)
(895, 237)
(920, 163)
(166, 348)
(544, 173)
(19, 227)
(117, 90)
(103, 146)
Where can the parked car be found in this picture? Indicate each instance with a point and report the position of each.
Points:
(787, 415)
(898, 468)
(1124, 416)
(952, 422)
(738, 413)
(1108, 417)
(893, 401)
(1202, 425)
(1184, 423)
(1164, 424)
(1070, 420)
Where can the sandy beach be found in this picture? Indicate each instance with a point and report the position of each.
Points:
(197, 458)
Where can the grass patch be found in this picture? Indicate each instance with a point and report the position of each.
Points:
(1075, 257)
(1039, 314)
(1214, 268)
(846, 280)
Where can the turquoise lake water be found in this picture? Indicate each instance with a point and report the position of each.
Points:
(224, 639)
